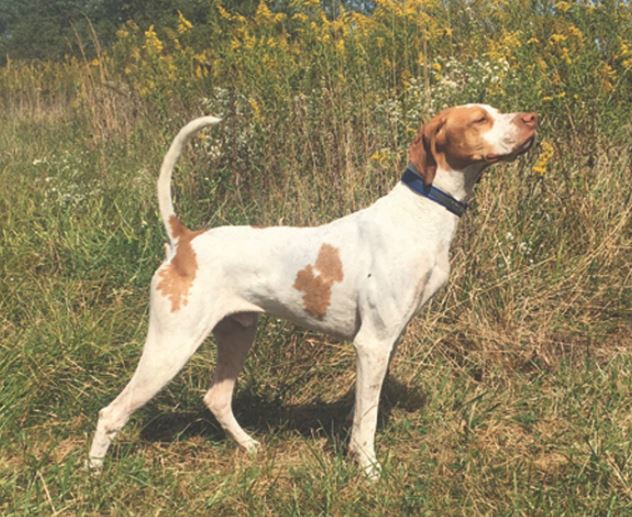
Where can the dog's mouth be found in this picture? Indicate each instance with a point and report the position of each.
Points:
(527, 144)
(519, 150)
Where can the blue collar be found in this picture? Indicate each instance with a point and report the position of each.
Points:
(415, 182)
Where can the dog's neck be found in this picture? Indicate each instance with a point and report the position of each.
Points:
(459, 184)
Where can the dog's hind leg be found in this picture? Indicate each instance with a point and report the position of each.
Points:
(234, 336)
(169, 345)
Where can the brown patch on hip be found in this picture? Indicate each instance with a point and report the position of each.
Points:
(316, 281)
(177, 277)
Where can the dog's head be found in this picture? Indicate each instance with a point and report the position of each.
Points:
(471, 135)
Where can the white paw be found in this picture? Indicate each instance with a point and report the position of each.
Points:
(93, 465)
(371, 468)
(372, 471)
(250, 446)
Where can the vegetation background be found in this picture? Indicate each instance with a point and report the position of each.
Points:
(511, 393)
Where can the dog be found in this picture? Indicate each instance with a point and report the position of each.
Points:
(361, 277)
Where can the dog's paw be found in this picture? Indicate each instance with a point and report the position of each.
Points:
(251, 446)
(373, 472)
(370, 467)
(93, 466)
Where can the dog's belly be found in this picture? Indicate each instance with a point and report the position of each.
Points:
(339, 319)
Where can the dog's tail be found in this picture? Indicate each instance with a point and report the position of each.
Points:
(168, 163)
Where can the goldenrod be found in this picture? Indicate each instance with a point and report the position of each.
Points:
(546, 153)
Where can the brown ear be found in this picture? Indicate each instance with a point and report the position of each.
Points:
(423, 149)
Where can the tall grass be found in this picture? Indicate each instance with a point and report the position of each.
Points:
(511, 391)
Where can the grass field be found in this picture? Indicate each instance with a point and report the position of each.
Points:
(512, 390)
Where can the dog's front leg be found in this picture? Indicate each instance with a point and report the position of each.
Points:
(349, 418)
(373, 352)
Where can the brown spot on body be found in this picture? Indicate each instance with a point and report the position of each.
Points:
(176, 278)
(315, 281)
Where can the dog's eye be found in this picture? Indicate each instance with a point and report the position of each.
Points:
(480, 120)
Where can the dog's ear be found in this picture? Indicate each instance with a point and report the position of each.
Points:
(422, 152)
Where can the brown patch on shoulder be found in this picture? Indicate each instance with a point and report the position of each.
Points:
(316, 281)
(176, 278)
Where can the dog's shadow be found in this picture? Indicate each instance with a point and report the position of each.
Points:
(265, 417)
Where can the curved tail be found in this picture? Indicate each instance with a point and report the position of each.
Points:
(166, 169)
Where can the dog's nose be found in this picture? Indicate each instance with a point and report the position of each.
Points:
(529, 119)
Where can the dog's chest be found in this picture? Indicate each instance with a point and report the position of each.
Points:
(434, 278)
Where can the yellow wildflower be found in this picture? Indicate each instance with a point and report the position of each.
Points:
(184, 25)
(406, 79)
(558, 38)
(566, 56)
(511, 39)
(382, 157)
(223, 12)
(563, 6)
(625, 54)
(410, 9)
(502, 48)
(153, 45)
(263, 12)
(169, 67)
(608, 77)
(574, 31)
(147, 88)
(256, 109)
(249, 41)
(546, 153)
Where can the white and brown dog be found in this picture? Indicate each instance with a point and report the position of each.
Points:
(361, 277)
